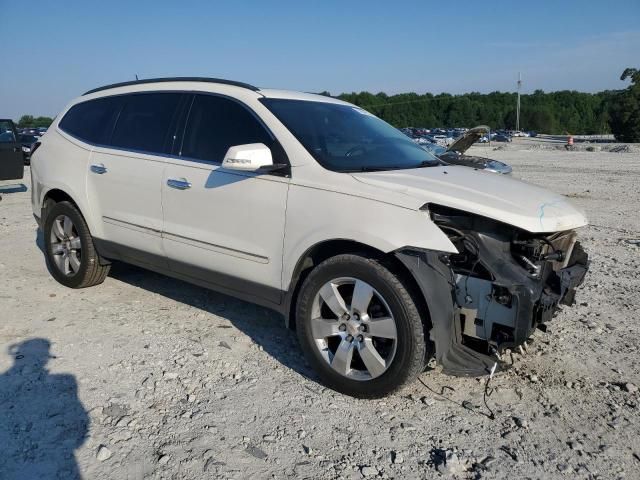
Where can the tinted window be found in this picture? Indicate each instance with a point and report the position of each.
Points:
(92, 121)
(217, 123)
(6, 132)
(346, 138)
(144, 121)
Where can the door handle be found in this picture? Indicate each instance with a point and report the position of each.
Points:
(98, 168)
(179, 183)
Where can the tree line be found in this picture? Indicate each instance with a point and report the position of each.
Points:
(29, 121)
(562, 112)
(611, 111)
(553, 112)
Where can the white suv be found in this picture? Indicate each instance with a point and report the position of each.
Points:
(377, 253)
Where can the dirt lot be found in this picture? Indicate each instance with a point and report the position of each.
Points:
(149, 377)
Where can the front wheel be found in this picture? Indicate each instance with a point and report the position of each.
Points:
(359, 327)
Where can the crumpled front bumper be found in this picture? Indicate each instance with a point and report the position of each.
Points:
(473, 317)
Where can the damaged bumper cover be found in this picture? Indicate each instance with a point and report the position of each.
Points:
(492, 295)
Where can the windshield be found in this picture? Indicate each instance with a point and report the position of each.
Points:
(346, 138)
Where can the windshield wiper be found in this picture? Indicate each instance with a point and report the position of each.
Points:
(373, 169)
(367, 169)
(425, 163)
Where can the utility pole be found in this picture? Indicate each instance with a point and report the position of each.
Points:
(518, 103)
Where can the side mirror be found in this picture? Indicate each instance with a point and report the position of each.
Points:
(252, 157)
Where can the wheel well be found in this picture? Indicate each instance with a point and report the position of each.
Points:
(56, 196)
(52, 197)
(322, 251)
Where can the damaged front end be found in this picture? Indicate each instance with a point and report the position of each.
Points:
(502, 284)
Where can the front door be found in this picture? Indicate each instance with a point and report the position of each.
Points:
(11, 161)
(224, 227)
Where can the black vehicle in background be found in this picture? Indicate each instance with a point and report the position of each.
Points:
(28, 143)
(501, 137)
(11, 160)
(30, 131)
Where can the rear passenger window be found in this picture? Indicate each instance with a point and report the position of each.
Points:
(92, 121)
(144, 121)
(217, 123)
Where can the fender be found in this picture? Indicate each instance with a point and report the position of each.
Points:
(315, 216)
(64, 169)
(82, 206)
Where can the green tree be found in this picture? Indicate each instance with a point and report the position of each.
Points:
(25, 121)
(553, 112)
(29, 121)
(624, 109)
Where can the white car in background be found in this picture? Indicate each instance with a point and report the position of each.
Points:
(442, 140)
(519, 133)
(377, 254)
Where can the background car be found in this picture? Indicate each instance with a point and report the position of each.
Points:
(501, 137)
(29, 131)
(11, 160)
(442, 140)
(28, 142)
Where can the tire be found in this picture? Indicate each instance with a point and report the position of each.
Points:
(83, 269)
(403, 358)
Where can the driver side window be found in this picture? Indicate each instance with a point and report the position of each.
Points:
(217, 123)
(7, 134)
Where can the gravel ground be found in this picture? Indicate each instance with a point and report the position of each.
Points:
(148, 377)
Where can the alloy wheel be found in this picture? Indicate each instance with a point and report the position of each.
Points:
(353, 328)
(66, 247)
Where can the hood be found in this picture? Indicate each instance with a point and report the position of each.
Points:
(471, 136)
(499, 197)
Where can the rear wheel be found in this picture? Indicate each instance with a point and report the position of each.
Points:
(69, 250)
(359, 327)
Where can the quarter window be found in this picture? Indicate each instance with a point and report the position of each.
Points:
(144, 122)
(217, 123)
(92, 121)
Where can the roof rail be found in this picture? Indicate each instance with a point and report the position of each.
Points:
(174, 79)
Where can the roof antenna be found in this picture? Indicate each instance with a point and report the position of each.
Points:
(136, 76)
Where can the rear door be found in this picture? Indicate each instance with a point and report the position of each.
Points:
(11, 161)
(224, 227)
(125, 177)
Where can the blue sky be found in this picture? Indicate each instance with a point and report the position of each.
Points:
(56, 50)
